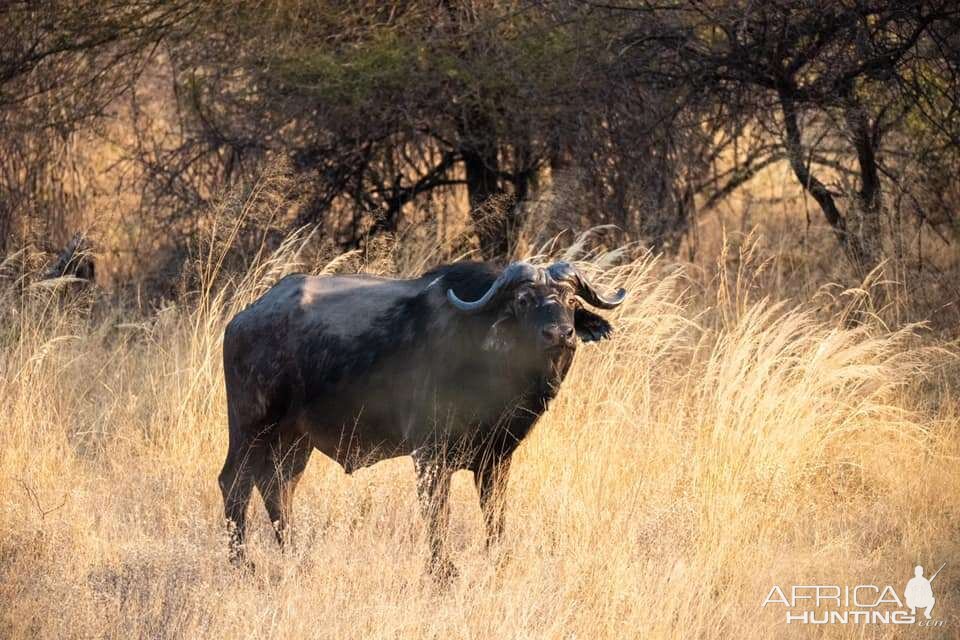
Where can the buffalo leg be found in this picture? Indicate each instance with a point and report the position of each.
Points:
(236, 484)
(433, 488)
(277, 479)
(490, 478)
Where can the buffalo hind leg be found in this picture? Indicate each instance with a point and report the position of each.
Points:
(277, 479)
(433, 488)
(236, 484)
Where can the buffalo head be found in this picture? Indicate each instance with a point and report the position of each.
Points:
(540, 309)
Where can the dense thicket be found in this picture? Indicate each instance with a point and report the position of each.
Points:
(645, 112)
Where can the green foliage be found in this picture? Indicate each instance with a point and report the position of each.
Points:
(383, 64)
(509, 62)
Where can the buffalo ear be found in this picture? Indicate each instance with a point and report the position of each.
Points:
(591, 327)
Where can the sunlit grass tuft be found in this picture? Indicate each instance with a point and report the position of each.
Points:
(704, 454)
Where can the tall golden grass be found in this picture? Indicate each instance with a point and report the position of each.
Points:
(726, 440)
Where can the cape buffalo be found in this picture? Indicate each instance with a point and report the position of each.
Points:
(452, 368)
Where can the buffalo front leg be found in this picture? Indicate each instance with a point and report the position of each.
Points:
(433, 489)
(490, 478)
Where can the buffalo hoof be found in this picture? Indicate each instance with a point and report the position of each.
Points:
(443, 571)
(501, 557)
(239, 561)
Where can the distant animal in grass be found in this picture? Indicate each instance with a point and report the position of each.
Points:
(453, 368)
(75, 260)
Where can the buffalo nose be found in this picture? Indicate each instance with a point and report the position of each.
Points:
(556, 335)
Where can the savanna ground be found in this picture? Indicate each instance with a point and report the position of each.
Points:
(748, 426)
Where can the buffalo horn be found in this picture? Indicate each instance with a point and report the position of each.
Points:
(516, 272)
(564, 271)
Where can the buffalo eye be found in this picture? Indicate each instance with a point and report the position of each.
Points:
(523, 300)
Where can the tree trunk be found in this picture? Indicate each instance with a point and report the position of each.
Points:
(869, 198)
(478, 147)
(849, 242)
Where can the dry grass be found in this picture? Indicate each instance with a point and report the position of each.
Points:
(722, 443)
